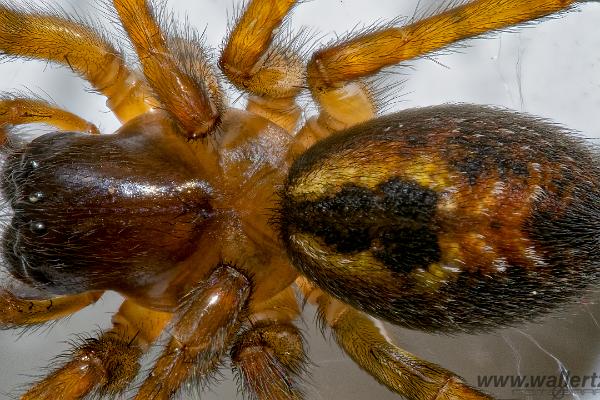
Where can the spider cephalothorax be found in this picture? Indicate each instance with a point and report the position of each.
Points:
(204, 217)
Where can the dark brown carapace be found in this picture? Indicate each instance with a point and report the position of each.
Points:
(208, 218)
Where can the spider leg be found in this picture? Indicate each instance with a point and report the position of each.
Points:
(202, 329)
(190, 95)
(401, 371)
(273, 75)
(85, 51)
(18, 111)
(107, 364)
(334, 72)
(18, 311)
(269, 355)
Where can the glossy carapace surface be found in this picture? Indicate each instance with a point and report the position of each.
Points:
(92, 210)
(143, 211)
(447, 218)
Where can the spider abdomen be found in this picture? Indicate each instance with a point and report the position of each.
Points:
(447, 218)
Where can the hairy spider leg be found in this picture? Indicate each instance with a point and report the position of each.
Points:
(190, 95)
(105, 365)
(202, 330)
(334, 72)
(21, 110)
(399, 370)
(85, 51)
(18, 311)
(271, 73)
(268, 356)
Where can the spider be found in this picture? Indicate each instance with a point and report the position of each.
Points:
(136, 340)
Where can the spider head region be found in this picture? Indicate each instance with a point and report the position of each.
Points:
(448, 218)
(146, 212)
(92, 210)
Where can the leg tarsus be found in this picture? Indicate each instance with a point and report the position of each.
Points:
(18, 311)
(19, 111)
(366, 54)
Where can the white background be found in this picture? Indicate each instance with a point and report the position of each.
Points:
(551, 69)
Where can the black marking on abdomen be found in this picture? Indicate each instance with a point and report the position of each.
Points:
(394, 220)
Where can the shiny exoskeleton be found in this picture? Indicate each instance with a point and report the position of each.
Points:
(447, 218)
(210, 220)
(444, 218)
(142, 211)
(83, 204)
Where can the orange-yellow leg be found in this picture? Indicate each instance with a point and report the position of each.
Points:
(190, 95)
(49, 37)
(401, 371)
(269, 356)
(18, 311)
(20, 111)
(203, 328)
(366, 54)
(273, 75)
(105, 365)
(334, 72)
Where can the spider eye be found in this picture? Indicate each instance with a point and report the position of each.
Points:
(419, 217)
(35, 197)
(89, 207)
(37, 227)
